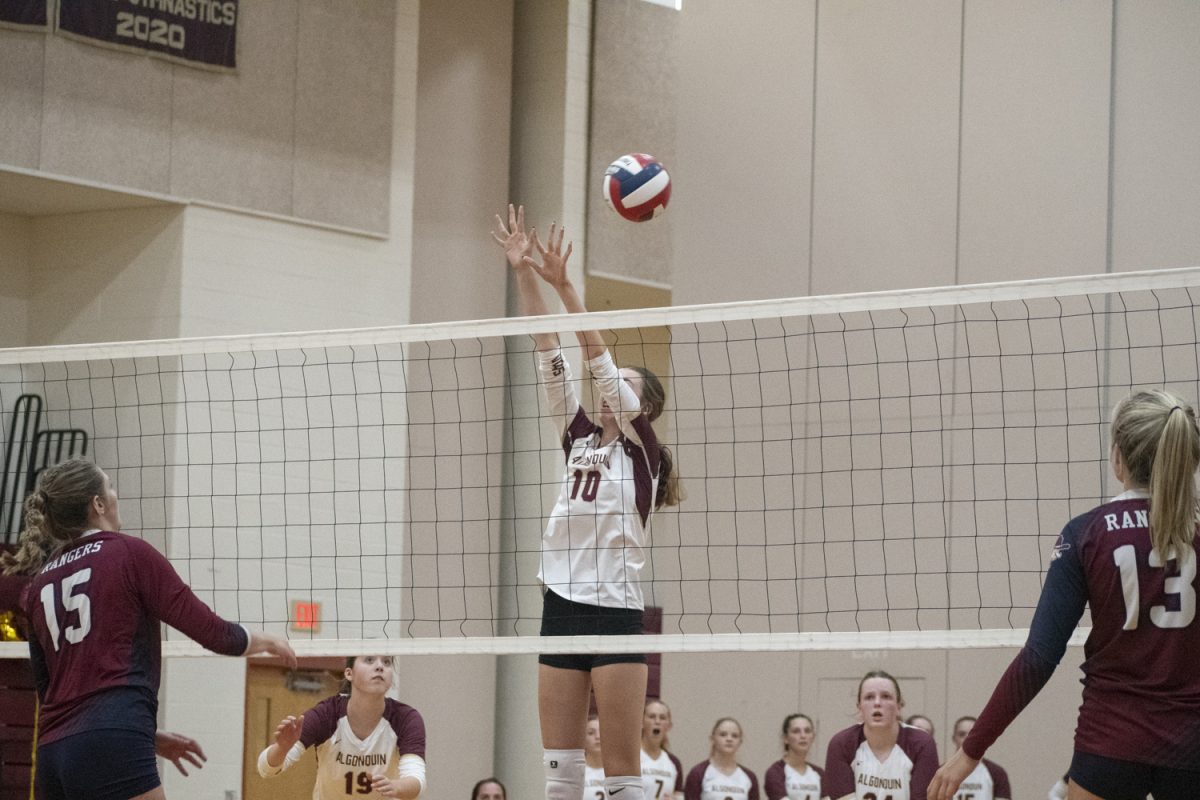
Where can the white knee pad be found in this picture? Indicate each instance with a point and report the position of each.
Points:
(564, 774)
(624, 787)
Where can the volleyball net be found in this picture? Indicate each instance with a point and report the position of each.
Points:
(874, 470)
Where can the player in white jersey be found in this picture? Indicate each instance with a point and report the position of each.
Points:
(367, 744)
(593, 771)
(616, 474)
(662, 774)
(881, 759)
(792, 776)
(721, 777)
(989, 781)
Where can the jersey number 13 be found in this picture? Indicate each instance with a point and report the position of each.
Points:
(1179, 585)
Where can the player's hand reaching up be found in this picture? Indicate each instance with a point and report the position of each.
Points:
(516, 243)
(287, 733)
(553, 268)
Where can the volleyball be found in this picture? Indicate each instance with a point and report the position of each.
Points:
(637, 187)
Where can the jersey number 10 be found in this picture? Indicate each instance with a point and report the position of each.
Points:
(1181, 585)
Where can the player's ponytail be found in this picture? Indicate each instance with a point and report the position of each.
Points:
(1159, 442)
(654, 399)
(55, 514)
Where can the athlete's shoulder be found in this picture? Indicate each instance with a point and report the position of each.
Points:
(775, 769)
(849, 738)
(911, 736)
(399, 713)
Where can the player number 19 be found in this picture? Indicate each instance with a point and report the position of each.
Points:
(1126, 558)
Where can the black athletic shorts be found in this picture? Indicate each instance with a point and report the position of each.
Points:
(562, 617)
(97, 765)
(1129, 780)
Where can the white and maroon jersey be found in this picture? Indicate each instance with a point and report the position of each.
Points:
(989, 781)
(662, 777)
(592, 551)
(346, 763)
(784, 780)
(706, 782)
(593, 783)
(852, 770)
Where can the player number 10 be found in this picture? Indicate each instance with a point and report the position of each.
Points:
(1181, 585)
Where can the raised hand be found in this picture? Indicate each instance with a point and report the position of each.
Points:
(177, 748)
(553, 268)
(516, 243)
(288, 733)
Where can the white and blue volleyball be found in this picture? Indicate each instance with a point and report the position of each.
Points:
(637, 187)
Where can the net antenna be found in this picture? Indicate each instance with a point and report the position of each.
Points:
(879, 470)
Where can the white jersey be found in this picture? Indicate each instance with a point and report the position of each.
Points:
(593, 783)
(976, 786)
(346, 763)
(988, 782)
(592, 551)
(706, 782)
(662, 777)
(784, 780)
(853, 770)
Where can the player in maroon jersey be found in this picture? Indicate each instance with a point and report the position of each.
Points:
(1133, 561)
(95, 602)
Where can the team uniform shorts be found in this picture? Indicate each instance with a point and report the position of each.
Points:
(108, 764)
(1113, 779)
(562, 617)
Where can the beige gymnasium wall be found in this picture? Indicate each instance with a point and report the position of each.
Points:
(821, 147)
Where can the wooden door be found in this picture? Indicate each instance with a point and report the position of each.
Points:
(268, 700)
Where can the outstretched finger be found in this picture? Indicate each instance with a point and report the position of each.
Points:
(567, 254)
(520, 217)
(538, 242)
(561, 233)
(550, 238)
(512, 216)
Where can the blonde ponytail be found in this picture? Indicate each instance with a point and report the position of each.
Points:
(1159, 442)
(55, 514)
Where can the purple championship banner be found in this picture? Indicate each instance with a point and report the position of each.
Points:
(194, 32)
(24, 14)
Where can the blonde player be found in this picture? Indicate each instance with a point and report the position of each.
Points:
(616, 474)
(721, 777)
(881, 757)
(792, 776)
(367, 744)
(662, 774)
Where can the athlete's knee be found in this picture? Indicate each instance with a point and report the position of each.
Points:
(564, 774)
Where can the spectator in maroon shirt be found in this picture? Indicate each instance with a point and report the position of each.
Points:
(1133, 561)
(95, 601)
